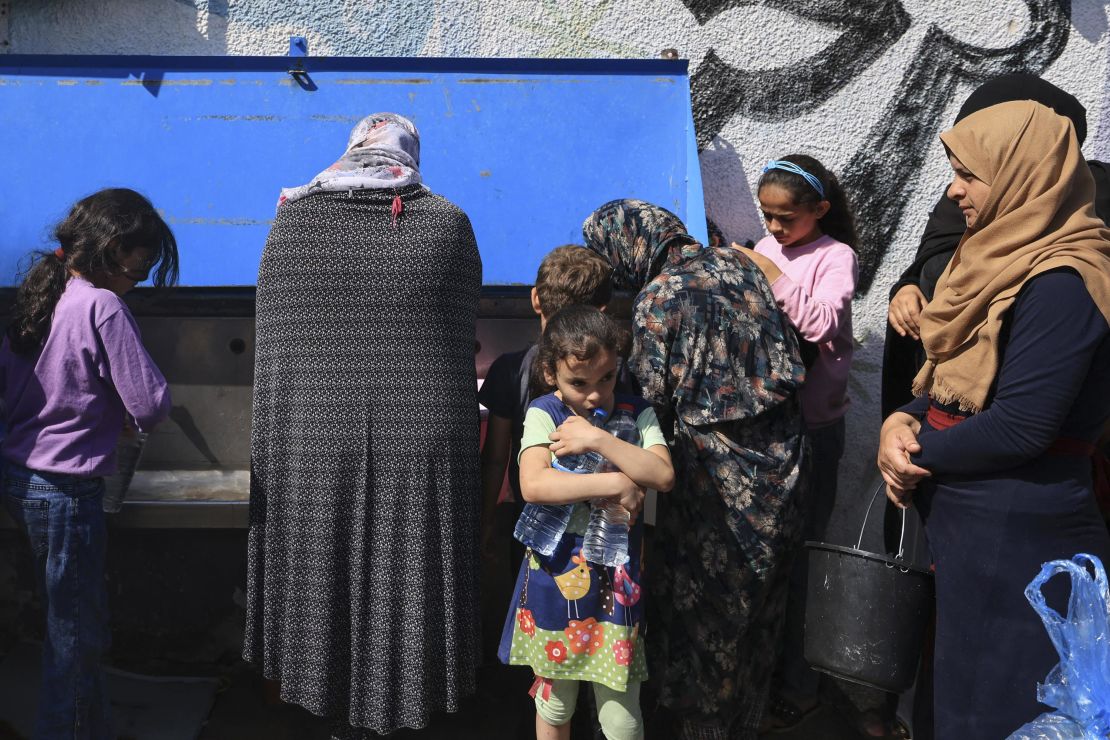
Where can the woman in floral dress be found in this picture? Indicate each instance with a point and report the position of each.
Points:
(716, 357)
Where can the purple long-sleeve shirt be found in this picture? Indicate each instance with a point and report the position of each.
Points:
(65, 406)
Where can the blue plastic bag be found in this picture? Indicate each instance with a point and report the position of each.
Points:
(1079, 685)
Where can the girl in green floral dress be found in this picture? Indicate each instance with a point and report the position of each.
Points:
(571, 619)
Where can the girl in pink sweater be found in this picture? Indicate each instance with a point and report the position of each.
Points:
(809, 259)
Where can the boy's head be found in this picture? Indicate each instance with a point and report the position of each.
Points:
(571, 275)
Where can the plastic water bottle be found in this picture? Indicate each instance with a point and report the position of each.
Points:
(541, 526)
(129, 448)
(606, 540)
(587, 462)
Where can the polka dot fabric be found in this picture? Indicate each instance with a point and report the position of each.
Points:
(608, 654)
(362, 564)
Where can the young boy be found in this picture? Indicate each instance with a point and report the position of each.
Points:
(567, 276)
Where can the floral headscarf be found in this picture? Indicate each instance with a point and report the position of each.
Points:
(636, 238)
(383, 151)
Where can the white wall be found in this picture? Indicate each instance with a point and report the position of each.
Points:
(863, 85)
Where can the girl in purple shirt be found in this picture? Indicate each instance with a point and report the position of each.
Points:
(73, 371)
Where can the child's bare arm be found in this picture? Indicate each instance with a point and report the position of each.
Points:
(495, 459)
(542, 484)
(650, 468)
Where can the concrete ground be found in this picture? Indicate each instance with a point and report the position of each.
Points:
(500, 711)
(245, 709)
(191, 623)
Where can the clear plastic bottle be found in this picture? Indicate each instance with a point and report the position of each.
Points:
(541, 526)
(129, 449)
(606, 540)
(587, 462)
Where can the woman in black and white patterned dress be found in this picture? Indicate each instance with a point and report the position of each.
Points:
(362, 574)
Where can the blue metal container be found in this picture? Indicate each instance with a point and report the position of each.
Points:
(527, 147)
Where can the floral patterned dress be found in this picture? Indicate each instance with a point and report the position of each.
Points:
(715, 355)
(570, 619)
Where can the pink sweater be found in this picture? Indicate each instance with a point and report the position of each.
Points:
(815, 292)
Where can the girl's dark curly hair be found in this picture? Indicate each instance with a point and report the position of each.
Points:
(839, 222)
(99, 231)
(581, 331)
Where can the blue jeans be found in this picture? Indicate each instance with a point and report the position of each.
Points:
(63, 520)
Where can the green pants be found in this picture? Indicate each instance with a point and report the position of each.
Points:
(618, 711)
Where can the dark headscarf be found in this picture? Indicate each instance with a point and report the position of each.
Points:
(636, 238)
(1023, 86)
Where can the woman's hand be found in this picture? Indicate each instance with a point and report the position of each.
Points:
(898, 497)
(897, 441)
(575, 436)
(904, 313)
(770, 270)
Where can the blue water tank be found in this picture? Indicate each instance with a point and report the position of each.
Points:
(527, 147)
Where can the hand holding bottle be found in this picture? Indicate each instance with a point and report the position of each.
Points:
(631, 500)
(577, 436)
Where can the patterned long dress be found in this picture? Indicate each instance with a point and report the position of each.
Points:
(365, 482)
(715, 355)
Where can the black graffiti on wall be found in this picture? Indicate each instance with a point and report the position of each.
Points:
(882, 174)
(719, 91)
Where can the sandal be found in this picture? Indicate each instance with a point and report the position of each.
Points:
(783, 715)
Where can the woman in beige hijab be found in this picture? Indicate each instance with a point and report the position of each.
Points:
(995, 451)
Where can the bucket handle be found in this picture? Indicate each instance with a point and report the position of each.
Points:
(866, 516)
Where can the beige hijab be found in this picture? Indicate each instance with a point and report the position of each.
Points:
(1039, 216)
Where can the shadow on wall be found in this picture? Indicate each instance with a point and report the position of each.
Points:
(729, 200)
(355, 27)
(211, 27)
(902, 136)
(1091, 19)
(123, 27)
(189, 27)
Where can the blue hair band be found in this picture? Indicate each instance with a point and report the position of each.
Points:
(782, 164)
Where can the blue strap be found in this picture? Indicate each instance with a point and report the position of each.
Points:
(782, 164)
